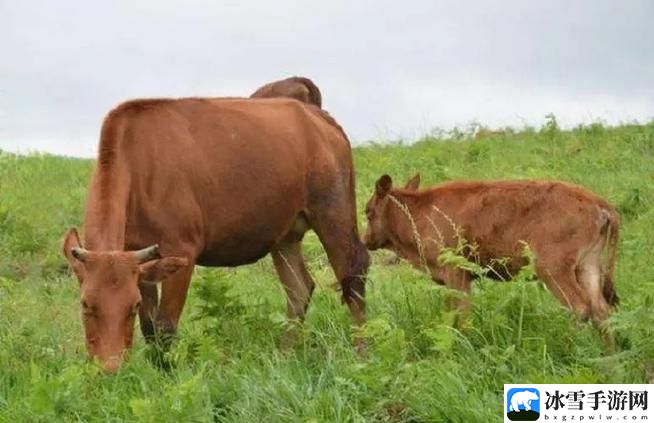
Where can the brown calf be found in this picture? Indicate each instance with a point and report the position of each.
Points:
(296, 87)
(214, 182)
(566, 226)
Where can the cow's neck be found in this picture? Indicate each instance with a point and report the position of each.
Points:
(106, 210)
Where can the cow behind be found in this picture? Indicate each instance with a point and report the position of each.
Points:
(566, 226)
(214, 182)
(297, 87)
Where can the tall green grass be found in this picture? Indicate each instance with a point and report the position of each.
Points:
(226, 364)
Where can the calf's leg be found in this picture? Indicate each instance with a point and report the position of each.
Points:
(559, 274)
(590, 277)
(460, 280)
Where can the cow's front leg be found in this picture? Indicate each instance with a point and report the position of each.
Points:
(173, 298)
(148, 310)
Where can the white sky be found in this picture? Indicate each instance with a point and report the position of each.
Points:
(387, 69)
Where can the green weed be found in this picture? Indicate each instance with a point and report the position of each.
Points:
(226, 364)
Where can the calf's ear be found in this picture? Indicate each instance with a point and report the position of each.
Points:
(413, 183)
(383, 185)
(159, 270)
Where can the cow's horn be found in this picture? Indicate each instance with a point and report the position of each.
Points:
(79, 253)
(147, 254)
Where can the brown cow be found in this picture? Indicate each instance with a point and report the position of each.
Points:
(296, 87)
(214, 182)
(566, 227)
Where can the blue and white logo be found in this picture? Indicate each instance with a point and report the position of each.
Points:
(523, 404)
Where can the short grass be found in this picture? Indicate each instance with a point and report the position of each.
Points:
(226, 365)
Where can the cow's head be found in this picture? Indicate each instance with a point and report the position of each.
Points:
(378, 232)
(109, 294)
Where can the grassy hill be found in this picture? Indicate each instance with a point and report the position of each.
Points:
(226, 365)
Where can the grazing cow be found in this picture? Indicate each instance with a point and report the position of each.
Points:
(214, 182)
(296, 87)
(566, 227)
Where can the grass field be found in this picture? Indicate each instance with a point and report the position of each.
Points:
(226, 365)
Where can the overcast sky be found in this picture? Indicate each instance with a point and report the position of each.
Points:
(387, 69)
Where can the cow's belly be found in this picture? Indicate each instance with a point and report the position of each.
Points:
(245, 244)
(239, 249)
(223, 256)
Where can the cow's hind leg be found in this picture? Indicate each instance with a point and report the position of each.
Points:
(298, 284)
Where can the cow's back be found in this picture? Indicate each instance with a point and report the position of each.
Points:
(229, 174)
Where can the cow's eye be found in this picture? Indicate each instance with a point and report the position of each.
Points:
(88, 309)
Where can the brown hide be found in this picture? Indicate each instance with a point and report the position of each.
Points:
(566, 226)
(297, 87)
(217, 182)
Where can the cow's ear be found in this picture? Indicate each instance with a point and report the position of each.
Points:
(413, 183)
(160, 270)
(71, 240)
(70, 249)
(383, 185)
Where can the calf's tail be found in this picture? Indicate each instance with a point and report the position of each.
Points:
(612, 237)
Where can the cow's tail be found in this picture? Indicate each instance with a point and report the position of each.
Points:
(612, 236)
(315, 97)
(353, 284)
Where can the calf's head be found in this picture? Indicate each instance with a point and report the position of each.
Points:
(109, 294)
(378, 232)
